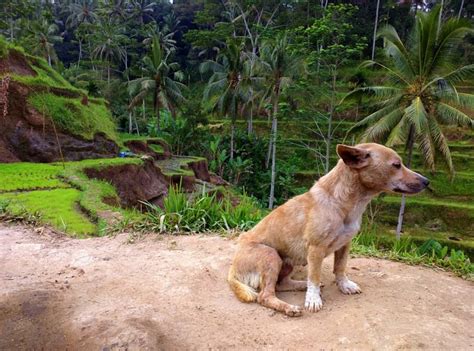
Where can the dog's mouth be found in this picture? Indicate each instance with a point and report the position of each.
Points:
(409, 189)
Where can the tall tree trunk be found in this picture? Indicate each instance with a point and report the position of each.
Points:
(460, 9)
(80, 53)
(250, 121)
(271, 198)
(12, 26)
(375, 29)
(269, 151)
(130, 122)
(331, 115)
(401, 213)
(49, 60)
(143, 110)
(108, 73)
(439, 19)
(232, 135)
(136, 124)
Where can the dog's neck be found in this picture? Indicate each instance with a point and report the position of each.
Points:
(343, 185)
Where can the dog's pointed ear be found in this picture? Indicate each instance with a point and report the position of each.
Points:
(353, 156)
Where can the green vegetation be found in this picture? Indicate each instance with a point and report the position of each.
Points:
(56, 207)
(203, 213)
(72, 115)
(430, 253)
(60, 195)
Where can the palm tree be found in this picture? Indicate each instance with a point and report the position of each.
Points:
(162, 79)
(43, 36)
(109, 44)
(280, 66)
(81, 12)
(225, 84)
(141, 9)
(420, 94)
(114, 9)
(165, 37)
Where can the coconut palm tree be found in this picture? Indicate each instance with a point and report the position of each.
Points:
(280, 66)
(162, 79)
(43, 36)
(81, 12)
(141, 9)
(225, 85)
(421, 93)
(109, 44)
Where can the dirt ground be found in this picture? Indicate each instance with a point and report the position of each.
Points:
(170, 293)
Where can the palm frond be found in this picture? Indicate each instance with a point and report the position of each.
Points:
(416, 114)
(441, 144)
(447, 114)
(381, 129)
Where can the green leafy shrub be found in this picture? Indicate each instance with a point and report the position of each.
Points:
(203, 213)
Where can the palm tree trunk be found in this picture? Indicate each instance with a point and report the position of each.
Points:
(274, 136)
(12, 25)
(375, 29)
(80, 52)
(136, 124)
(439, 19)
(130, 122)
(108, 73)
(460, 9)
(401, 213)
(269, 152)
(232, 136)
(331, 114)
(49, 60)
(250, 121)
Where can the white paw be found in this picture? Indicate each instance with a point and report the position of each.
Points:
(313, 302)
(348, 286)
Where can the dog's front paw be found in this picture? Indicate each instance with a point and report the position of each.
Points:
(313, 302)
(348, 286)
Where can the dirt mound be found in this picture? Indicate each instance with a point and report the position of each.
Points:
(170, 293)
(141, 147)
(138, 183)
(134, 183)
(28, 136)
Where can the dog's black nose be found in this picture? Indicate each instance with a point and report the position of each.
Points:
(425, 181)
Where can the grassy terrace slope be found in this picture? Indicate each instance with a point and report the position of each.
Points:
(44, 110)
(59, 194)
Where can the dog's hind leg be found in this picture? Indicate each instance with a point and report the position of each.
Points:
(271, 265)
(285, 283)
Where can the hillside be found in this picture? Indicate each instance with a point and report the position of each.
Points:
(46, 119)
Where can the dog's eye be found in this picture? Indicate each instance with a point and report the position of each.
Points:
(397, 165)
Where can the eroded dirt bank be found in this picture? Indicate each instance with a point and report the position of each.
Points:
(170, 293)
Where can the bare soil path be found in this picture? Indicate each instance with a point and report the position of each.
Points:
(170, 293)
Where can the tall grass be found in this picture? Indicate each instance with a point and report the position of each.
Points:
(205, 212)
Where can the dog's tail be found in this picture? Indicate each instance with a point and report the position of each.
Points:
(243, 292)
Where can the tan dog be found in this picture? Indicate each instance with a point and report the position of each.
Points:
(311, 226)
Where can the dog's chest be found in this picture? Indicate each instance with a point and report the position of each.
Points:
(349, 227)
